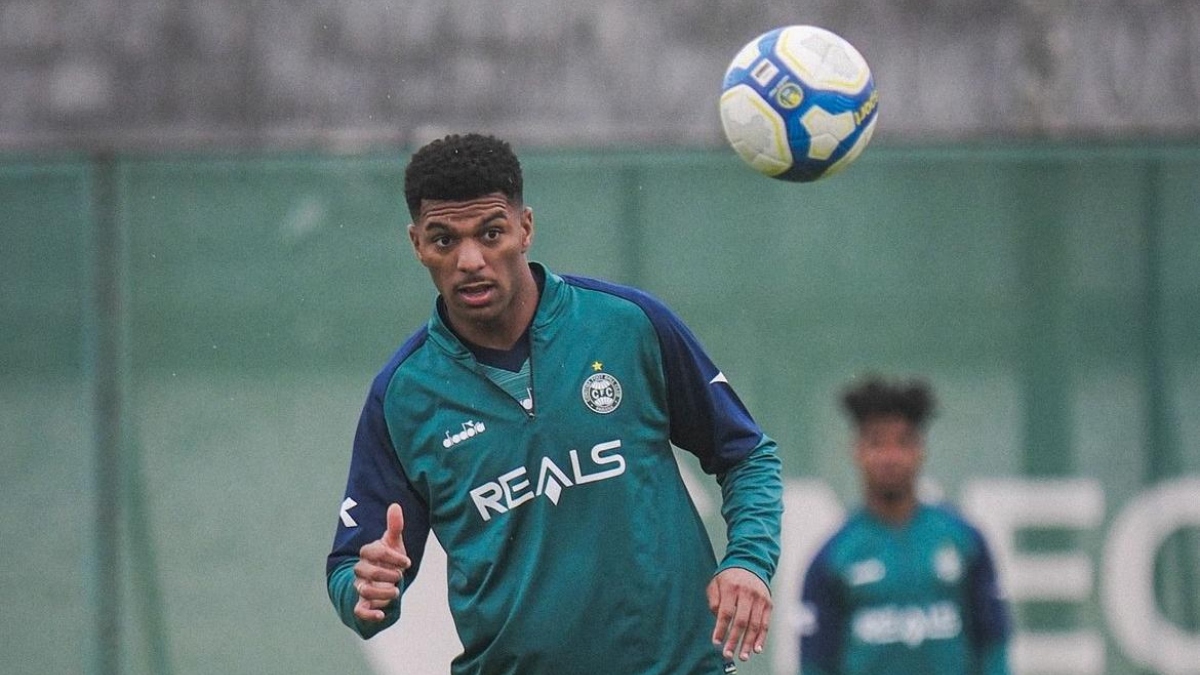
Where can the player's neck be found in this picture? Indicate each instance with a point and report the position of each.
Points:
(892, 509)
(501, 334)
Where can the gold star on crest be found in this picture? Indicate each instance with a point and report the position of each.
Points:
(596, 365)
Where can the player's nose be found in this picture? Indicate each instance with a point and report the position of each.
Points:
(470, 257)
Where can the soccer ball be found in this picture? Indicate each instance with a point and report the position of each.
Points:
(798, 103)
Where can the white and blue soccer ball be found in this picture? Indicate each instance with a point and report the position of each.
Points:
(798, 103)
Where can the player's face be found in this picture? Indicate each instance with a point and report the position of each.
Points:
(475, 251)
(889, 451)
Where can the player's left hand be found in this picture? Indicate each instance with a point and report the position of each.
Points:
(742, 604)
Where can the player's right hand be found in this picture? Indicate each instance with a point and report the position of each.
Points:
(380, 567)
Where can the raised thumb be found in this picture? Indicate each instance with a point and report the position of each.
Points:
(395, 527)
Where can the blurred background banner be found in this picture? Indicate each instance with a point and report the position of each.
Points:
(203, 263)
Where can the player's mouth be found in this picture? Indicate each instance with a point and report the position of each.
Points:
(475, 295)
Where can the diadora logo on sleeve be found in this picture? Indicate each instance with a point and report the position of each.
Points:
(514, 488)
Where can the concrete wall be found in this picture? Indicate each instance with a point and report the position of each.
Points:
(349, 73)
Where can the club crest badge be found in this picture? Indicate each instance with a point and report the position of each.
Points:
(948, 565)
(601, 393)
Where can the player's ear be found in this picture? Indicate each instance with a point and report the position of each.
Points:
(526, 228)
(859, 449)
(412, 238)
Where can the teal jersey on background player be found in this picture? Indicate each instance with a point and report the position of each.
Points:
(572, 544)
(918, 599)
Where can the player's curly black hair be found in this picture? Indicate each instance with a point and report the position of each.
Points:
(462, 167)
(874, 396)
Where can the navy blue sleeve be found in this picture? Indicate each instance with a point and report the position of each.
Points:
(823, 618)
(376, 480)
(988, 621)
(707, 417)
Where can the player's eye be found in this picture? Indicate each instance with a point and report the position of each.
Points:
(492, 234)
(443, 241)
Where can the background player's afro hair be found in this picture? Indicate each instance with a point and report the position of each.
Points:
(874, 396)
(460, 168)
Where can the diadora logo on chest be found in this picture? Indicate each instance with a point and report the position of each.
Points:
(867, 572)
(470, 429)
(513, 488)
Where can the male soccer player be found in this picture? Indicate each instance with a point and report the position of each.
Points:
(903, 588)
(529, 425)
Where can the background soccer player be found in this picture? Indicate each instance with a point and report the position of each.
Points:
(529, 425)
(903, 588)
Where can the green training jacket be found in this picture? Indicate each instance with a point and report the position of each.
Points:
(572, 544)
